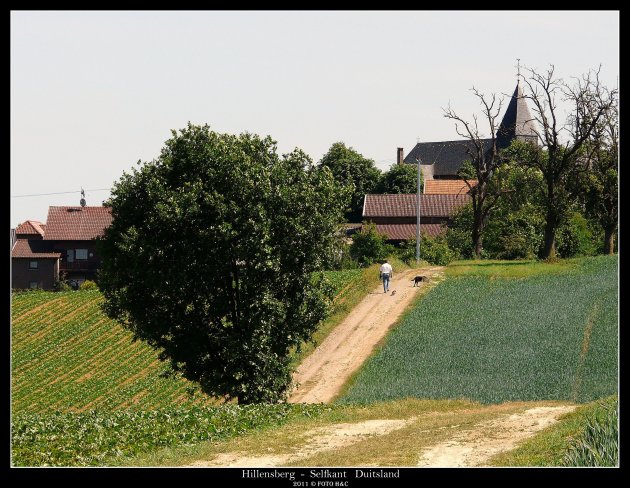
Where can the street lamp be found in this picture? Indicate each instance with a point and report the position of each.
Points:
(418, 215)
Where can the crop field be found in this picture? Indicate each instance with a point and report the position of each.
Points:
(502, 336)
(100, 437)
(68, 356)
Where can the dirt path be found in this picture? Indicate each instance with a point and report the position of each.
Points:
(331, 437)
(322, 374)
(473, 446)
(476, 446)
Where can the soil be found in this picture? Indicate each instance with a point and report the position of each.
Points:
(323, 373)
(469, 447)
(475, 446)
(322, 439)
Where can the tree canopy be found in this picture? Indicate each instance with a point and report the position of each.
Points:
(353, 170)
(401, 178)
(211, 253)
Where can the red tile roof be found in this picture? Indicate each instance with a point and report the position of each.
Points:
(76, 223)
(408, 231)
(404, 205)
(30, 227)
(25, 248)
(447, 187)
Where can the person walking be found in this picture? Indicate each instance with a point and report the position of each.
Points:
(386, 273)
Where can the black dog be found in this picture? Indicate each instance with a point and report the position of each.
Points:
(418, 279)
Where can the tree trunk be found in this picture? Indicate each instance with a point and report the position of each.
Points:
(549, 251)
(476, 235)
(609, 239)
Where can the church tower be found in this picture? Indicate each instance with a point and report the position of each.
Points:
(517, 122)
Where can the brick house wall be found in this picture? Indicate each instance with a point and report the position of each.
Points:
(45, 275)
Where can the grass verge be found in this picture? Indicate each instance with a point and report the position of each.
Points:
(551, 445)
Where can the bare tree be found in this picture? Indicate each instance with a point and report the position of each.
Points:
(563, 153)
(603, 158)
(484, 159)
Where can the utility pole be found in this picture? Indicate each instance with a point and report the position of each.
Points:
(418, 215)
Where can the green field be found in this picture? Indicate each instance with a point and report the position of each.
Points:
(103, 437)
(68, 356)
(84, 393)
(495, 333)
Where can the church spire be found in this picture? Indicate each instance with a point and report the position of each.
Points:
(517, 122)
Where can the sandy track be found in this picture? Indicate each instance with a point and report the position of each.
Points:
(474, 447)
(322, 374)
(327, 438)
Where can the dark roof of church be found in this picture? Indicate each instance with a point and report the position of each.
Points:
(448, 156)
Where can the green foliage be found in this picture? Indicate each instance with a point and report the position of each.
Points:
(598, 444)
(61, 284)
(340, 257)
(515, 226)
(434, 250)
(500, 339)
(357, 173)
(368, 246)
(210, 253)
(340, 280)
(458, 234)
(575, 238)
(401, 178)
(67, 355)
(88, 285)
(97, 438)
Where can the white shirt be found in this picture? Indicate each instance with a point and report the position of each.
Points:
(386, 269)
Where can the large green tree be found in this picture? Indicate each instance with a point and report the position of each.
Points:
(353, 170)
(210, 258)
(401, 178)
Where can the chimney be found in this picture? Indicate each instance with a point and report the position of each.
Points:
(399, 155)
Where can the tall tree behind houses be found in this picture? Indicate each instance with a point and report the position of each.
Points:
(484, 160)
(353, 170)
(563, 156)
(602, 196)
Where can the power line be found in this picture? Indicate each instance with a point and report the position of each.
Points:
(58, 193)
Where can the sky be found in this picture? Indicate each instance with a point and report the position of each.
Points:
(92, 93)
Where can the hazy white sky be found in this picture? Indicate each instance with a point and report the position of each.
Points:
(94, 92)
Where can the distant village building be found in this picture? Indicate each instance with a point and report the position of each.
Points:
(395, 214)
(443, 159)
(444, 190)
(63, 248)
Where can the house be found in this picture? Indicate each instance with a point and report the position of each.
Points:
(62, 249)
(395, 214)
(442, 160)
(448, 187)
(33, 262)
